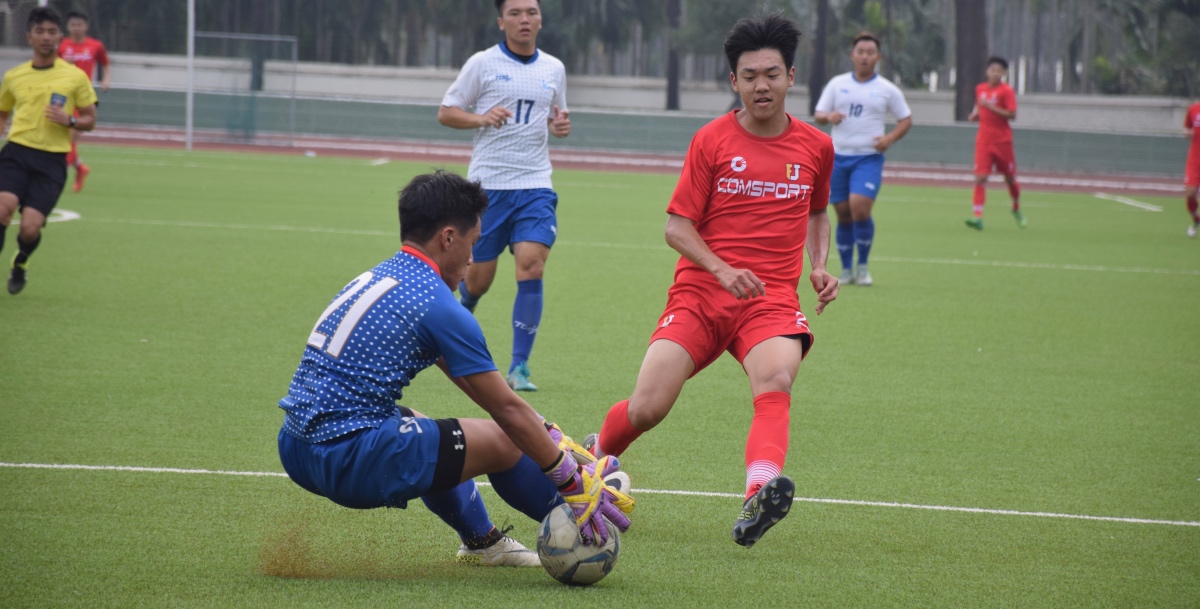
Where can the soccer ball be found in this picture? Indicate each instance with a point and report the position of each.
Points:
(564, 555)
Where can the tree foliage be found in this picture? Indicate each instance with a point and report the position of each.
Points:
(1123, 46)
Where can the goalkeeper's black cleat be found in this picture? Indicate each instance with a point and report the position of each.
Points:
(763, 510)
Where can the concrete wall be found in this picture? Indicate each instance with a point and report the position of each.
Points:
(1101, 114)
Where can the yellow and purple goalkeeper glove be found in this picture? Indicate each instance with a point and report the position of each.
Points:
(565, 442)
(596, 505)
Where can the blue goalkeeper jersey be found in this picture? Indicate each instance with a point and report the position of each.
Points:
(387, 325)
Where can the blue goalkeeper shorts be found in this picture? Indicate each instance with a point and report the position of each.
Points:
(514, 216)
(385, 466)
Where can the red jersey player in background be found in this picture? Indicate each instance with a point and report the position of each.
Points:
(1191, 126)
(84, 52)
(995, 106)
(752, 195)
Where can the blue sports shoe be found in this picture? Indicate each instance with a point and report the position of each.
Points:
(518, 379)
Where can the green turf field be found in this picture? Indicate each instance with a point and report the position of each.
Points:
(1051, 370)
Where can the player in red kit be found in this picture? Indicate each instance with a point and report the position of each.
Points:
(995, 106)
(84, 52)
(751, 198)
(1191, 126)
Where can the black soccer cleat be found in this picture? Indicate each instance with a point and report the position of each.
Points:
(763, 510)
(16, 279)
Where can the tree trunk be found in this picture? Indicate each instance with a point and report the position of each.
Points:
(1036, 68)
(887, 36)
(1088, 52)
(321, 54)
(816, 77)
(970, 62)
(674, 12)
(414, 29)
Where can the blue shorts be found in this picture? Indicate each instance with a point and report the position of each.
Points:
(859, 174)
(514, 216)
(385, 466)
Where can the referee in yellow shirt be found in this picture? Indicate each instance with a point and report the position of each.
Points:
(41, 97)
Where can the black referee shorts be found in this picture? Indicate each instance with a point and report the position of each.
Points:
(37, 177)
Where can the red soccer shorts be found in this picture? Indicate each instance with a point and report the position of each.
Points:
(706, 320)
(1000, 156)
(1193, 169)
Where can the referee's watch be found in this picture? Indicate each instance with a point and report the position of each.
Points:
(71, 122)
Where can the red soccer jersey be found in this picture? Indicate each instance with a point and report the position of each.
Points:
(750, 197)
(85, 55)
(1193, 122)
(993, 128)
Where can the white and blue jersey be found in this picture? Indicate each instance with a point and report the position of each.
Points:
(382, 329)
(866, 105)
(517, 155)
(857, 165)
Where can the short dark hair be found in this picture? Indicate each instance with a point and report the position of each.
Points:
(771, 31)
(998, 60)
(864, 35)
(500, 5)
(77, 15)
(432, 201)
(41, 15)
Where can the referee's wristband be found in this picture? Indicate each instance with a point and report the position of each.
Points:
(71, 122)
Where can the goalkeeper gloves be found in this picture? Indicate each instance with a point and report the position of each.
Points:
(596, 505)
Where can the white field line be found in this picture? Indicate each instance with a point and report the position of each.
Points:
(645, 246)
(1090, 183)
(1040, 265)
(1127, 201)
(264, 227)
(883, 504)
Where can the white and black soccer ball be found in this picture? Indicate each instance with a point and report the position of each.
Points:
(564, 555)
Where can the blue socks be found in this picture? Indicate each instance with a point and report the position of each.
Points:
(845, 244)
(462, 508)
(523, 486)
(526, 489)
(466, 298)
(526, 315)
(864, 235)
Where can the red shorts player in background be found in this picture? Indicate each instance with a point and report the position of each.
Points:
(84, 52)
(755, 185)
(995, 106)
(1191, 126)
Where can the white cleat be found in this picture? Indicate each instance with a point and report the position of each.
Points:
(1192, 230)
(846, 278)
(862, 277)
(507, 552)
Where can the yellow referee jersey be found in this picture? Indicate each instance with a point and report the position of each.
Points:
(26, 91)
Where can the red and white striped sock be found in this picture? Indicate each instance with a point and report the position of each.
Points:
(766, 446)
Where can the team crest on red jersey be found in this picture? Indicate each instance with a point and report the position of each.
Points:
(793, 171)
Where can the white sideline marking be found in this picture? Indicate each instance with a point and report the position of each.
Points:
(57, 215)
(150, 470)
(378, 162)
(964, 177)
(1042, 265)
(911, 506)
(646, 246)
(1127, 201)
(297, 229)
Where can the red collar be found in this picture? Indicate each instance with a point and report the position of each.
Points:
(414, 252)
